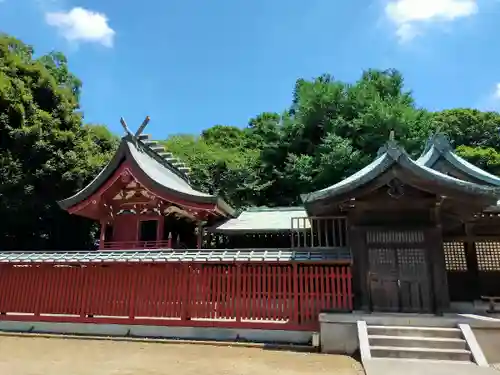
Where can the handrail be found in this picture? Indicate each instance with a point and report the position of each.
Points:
(118, 245)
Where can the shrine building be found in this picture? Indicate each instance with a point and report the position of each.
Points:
(400, 235)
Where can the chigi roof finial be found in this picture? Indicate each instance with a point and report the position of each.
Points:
(438, 129)
(139, 131)
(391, 136)
(142, 127)
(124, 125)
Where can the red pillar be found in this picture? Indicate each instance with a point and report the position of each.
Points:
(102, 236)
(159, 228)
(199, 240)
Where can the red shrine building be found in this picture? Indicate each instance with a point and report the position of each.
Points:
(400, 235)
(143, 199)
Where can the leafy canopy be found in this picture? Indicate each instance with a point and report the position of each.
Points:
(330, 130)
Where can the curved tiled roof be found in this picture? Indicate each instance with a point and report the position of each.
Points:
(438, 147)
(392, 154)
(161, 173)
(263, 219)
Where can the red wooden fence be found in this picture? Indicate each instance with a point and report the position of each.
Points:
(269, 296)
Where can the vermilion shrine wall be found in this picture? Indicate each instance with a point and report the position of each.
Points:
(126, 229)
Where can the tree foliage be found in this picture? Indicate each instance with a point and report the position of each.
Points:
(330, 130)
(45, 151)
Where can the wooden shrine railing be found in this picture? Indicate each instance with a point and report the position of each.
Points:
(246, 295)
(136, 245)
(319, 232)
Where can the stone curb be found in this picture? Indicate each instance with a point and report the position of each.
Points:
(291, 347)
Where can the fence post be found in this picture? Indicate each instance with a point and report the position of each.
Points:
(239, 293)
(349, 289)
(296, 296)
(41, 281)
(186, 305)
(135, 277)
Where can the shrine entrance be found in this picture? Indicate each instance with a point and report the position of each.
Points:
(399, 273)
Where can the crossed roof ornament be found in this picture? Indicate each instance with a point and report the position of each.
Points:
(139, 130)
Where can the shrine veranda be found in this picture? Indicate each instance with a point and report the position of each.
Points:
(401, 235)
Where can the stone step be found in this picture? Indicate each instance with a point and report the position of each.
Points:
(436, 361)
(415, 331)
(420, 353)
(417, 341)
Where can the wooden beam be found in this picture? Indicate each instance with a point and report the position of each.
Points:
(125, 126)
(142, 127)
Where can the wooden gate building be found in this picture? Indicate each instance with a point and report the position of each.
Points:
(402, 215)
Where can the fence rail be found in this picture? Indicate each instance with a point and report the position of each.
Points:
(319, 232)
(268, 296)
(134, 245)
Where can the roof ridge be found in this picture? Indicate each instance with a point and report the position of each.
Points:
(442, 142)
(163, 156)
(273, 209)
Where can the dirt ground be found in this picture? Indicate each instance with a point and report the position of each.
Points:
(55, 356)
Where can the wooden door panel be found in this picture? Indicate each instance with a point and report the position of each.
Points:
(414, 279)
(398, 270)
(383, 279)
(384, 295)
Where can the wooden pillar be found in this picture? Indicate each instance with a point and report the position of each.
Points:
(199, 238)
(137, 224)
(472, 265)
(437, 262)
(359, 268)
(102, 236)
(159, 228)
(169, 243)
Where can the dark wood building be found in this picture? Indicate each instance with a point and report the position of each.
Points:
(411, 223)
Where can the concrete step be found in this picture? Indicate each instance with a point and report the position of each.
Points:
(435, 361)
(415, 331)
(420, 353)
(417, 341)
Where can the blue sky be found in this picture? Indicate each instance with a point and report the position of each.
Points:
(192, 64)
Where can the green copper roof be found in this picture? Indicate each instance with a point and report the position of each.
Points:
(154, 168)
(390, 155)
(263, 219)
(438, 148)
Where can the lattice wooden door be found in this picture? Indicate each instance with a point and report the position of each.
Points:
(398, 270)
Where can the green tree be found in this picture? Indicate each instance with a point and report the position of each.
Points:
(475, 134)
(332, 129)
(45, 152)
(220, 162)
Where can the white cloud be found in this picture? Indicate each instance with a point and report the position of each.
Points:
(409, 16)
(82, 25)
(496, 93)
(490, 101)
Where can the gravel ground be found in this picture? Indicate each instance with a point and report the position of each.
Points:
(56, 356)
